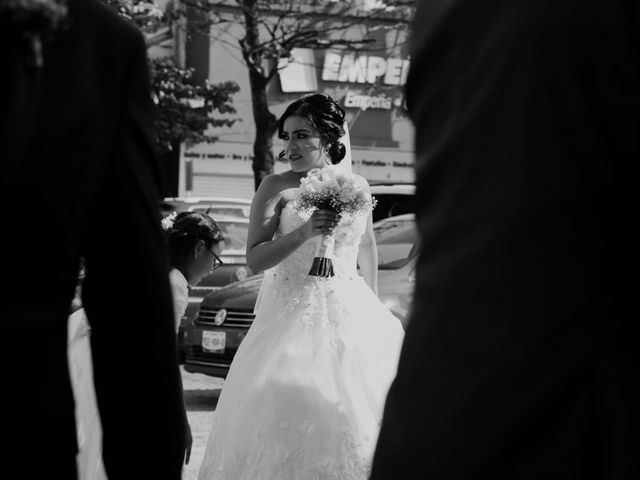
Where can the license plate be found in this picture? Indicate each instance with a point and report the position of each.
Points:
(213, 341)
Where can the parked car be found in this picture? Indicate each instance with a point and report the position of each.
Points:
(232, 216)
(233, 256)
(214, 206)
(393, 199)
(398, 246)
(225, 315)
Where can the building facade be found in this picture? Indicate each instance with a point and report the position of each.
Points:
(367, 82)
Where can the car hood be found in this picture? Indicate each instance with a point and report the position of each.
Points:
(393, 281)
(241, 295)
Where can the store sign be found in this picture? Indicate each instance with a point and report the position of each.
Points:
(365, 102)
(298, 71)
(349, 68)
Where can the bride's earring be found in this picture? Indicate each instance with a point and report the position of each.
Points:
(327, 157)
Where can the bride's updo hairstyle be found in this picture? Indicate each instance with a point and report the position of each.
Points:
(325, 115)
(184, 231)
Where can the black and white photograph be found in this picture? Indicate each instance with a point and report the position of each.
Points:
(320, 239)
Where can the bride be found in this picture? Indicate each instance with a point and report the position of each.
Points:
(304, 395)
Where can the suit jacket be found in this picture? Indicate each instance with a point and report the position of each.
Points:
(80, 178)
(519, 356)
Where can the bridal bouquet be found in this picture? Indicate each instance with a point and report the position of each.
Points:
(332, 189)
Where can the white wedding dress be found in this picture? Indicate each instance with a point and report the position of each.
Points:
(304, 396)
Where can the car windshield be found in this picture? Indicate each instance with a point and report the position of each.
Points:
(216, 210)
(235, 235)
(396, 240)
(392, 204)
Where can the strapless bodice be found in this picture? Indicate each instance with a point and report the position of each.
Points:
(348, 234)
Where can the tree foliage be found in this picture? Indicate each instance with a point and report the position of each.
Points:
(145, 14)
(185, 109)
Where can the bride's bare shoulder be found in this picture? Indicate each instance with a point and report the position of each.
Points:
(279, 182)
(278, 187)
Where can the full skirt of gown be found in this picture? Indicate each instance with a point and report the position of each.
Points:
(304, 396)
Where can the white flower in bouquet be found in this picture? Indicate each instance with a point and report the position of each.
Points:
(333, 189)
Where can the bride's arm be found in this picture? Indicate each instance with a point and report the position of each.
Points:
(368, 257)
(263, 251)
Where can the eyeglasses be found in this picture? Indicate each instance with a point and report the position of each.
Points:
(217, 262)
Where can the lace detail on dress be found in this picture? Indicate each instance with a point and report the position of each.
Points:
(348, 458)
(315, 299)
(295, 268)
(305, 393)
(348, 234)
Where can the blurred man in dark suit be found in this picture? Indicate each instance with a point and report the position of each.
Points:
(79, 178)
(519, 361)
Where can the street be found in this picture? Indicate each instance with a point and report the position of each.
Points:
(201, 395)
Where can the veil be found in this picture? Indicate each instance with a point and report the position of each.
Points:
(346, 164)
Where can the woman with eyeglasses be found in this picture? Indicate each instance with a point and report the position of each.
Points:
(195, 243)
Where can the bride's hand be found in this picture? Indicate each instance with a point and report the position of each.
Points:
(321, 223)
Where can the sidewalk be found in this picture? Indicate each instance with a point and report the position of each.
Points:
(201, 394)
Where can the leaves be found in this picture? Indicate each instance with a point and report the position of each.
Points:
(184, 109)
(146, 15)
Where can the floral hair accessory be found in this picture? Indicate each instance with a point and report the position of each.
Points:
(167, 222)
